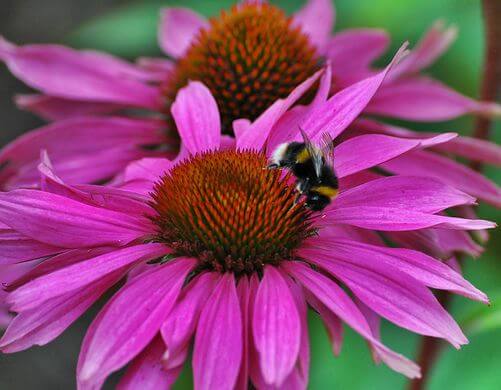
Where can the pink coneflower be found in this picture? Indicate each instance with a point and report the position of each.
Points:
(219, 256)
(250, 57)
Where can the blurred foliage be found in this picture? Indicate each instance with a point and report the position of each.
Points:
(131, 31)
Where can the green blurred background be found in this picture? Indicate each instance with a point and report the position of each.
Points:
(129, 30)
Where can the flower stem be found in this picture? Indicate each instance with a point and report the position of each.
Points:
(430, 347)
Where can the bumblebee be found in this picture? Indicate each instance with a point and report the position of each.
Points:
(313, 168)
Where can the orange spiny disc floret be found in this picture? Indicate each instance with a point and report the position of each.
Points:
(248, 57)
(226, 210)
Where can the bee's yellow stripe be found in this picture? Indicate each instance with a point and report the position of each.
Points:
(302, 156)
(330, 192)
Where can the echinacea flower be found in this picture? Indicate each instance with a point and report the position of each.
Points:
(250, 57)
(217, 254)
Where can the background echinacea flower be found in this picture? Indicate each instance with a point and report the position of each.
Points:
(220, 256)
(247, 72)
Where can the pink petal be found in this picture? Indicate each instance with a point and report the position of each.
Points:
(316, 20)
(353, 51)
(159, 68)
(423, 268)
(43, 323)
(75, 276)
(54, 263)
(425, 99)
(471, 148)
(299, 377)
(336, 300)
(146, 371)
(421, 163)
(366, 151)
(340, 110)
(276, 327)
(16, 248)
(59, 221)
(244, 291)
(82, 149)
(147, 169)
(255, 135)
(178, 28)
(129, 321)
(396, 219)
(111, 198)
(178, 328)
(218, 342)
(439, 243)
(435, 42)
(404, 192)
(391, 293)
(332, 323)
(85, 76)
(197, 118)
(53, 108)
(474, 149)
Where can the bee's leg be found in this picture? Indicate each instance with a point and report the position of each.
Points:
(273, 166)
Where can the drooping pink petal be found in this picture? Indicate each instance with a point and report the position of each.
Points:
(468, 147)
(82, 149)
(244, 291)
(146, 371)
(197, 118)
(424, 99)
(404, 192)
(316, 20)
(353, 51)
(129, 321)
(422, 163)
(84, 76)
(43, 323)
(9, 273)
(178, 27)
(390, 292)
(59, 221)
(254, 135)
(54, 263)
(332, 323)
(440, 243)
(298, 378)
(375, 149)
(17, 248)
(178, 328)
(431, 46)
(276, 327)
(111, 198)
(469, 212)
(340, 110)
(397, 219)
(53, 108)
(75, 276)
(218, 347)
(423, 268)
(336, 300)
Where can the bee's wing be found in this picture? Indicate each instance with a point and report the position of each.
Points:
(327, 149)
(314, 153)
